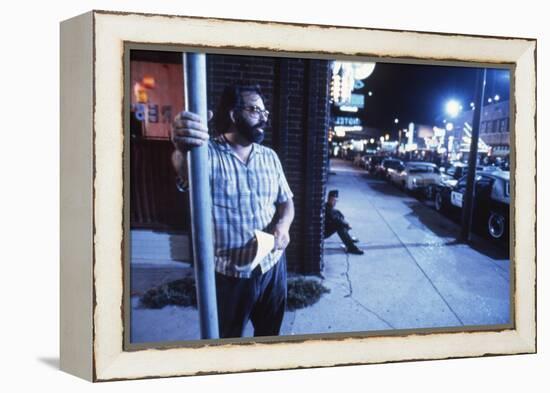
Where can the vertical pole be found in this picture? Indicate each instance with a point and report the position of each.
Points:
(468, 206)
(194, 71)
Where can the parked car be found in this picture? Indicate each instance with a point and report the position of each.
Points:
(415, 176)
(456, 170)
(387, 164)
(373, 163)
(489, 168)
(453, 173)
(358, 159)
(449, 175)
(365, 160)
(491, 210)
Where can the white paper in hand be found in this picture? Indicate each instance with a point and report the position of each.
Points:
(265, 243)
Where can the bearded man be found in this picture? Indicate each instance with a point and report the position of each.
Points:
(249, 192)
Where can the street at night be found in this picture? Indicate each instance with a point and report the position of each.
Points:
(406, 149)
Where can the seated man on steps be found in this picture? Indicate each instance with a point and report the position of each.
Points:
(335, 222)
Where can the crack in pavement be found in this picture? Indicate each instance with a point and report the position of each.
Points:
(350, 295)
(373, 313)
(350, 287)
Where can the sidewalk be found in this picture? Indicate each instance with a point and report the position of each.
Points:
(413, 274)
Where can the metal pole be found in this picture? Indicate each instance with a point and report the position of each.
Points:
(194, 71)
(468, 206)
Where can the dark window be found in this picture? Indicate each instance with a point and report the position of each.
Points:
(483, 127)
(489, 127)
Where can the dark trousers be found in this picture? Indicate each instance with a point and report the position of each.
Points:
(261, 298)
(342, 231)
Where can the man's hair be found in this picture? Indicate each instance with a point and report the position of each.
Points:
(231, 98)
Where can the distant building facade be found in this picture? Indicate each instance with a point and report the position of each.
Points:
(494, 131)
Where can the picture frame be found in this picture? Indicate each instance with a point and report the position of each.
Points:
(93, 244)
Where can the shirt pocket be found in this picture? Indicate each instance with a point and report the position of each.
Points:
(268, 192)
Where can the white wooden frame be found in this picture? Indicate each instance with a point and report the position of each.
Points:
(92, 324)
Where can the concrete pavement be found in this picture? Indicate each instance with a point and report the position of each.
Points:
(413, 273)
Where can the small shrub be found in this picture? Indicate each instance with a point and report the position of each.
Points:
(179, 292)
(303, 292)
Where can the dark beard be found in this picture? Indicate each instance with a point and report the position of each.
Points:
(251, 133)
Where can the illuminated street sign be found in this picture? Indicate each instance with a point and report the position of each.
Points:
(347, 121)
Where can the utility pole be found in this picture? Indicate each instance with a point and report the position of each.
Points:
(468, 199)
(194, 71)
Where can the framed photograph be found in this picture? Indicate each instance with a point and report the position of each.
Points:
(246, 195)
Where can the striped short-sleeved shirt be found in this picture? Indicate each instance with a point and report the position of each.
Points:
(244, 199)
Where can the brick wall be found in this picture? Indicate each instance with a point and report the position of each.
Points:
(296, 93)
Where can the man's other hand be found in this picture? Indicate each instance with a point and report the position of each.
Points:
(282, 237)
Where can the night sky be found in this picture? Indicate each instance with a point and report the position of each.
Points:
(418, 93)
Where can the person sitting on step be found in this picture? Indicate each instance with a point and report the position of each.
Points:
(335, 222)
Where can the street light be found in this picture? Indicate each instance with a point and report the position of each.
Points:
(453, 108)
(396, 120)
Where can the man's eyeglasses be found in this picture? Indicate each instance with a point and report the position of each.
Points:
(255, 111)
